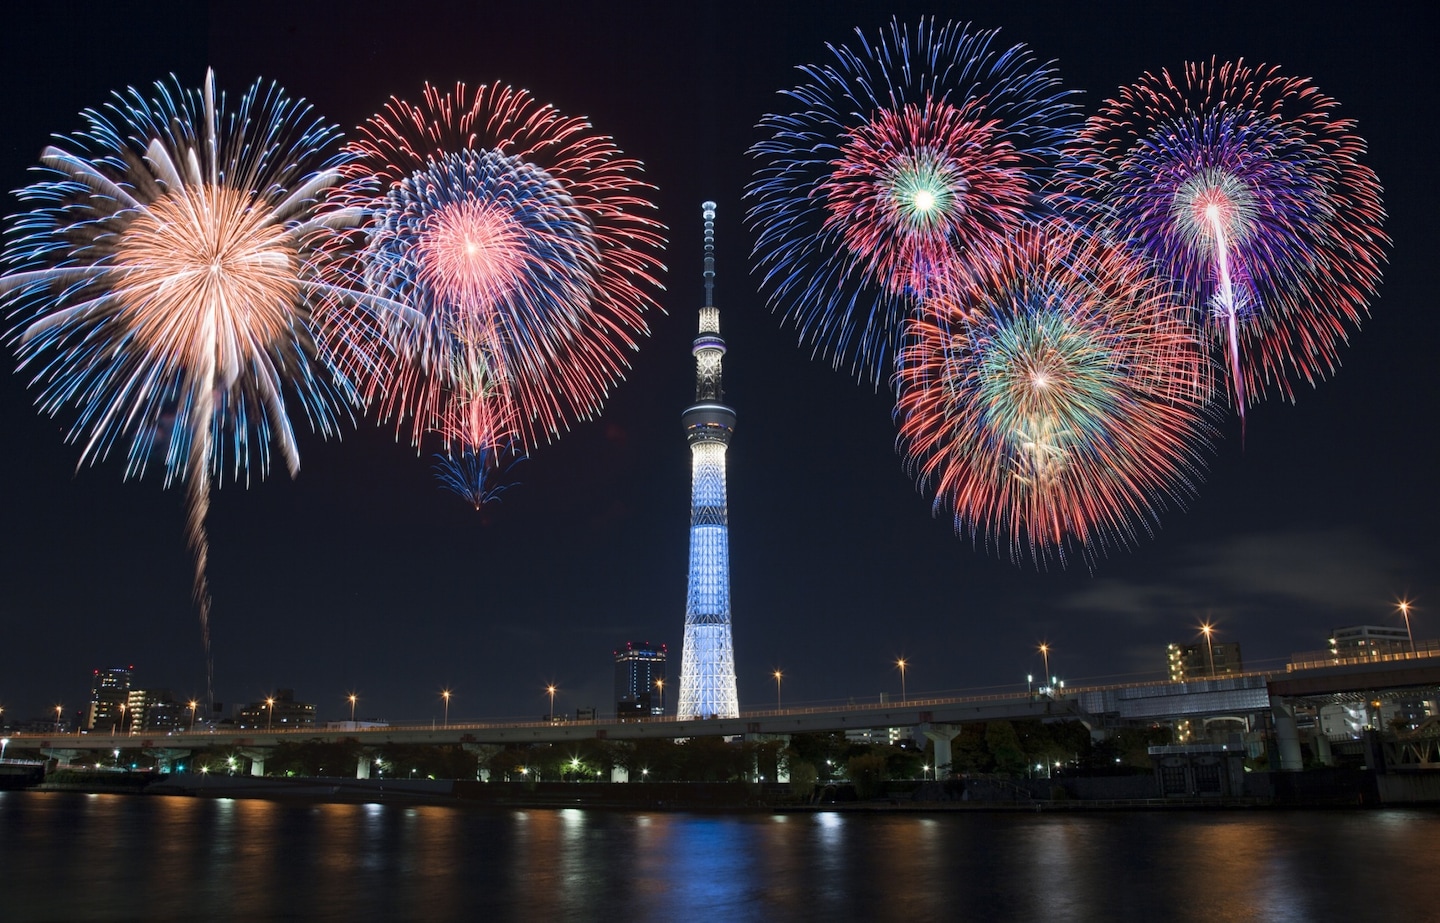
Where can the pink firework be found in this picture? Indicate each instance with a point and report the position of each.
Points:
(1243, 184)
(509, 247)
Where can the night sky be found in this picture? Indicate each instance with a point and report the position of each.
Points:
(361, 574)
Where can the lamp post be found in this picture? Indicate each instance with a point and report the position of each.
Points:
(352, 697)
(1207, 630)
(270, 714)
(551, 689)
(778, 676)
(1045, 653)
(660, 684)
(1404, 608)
(4, 742)
(1029, 683)
(445, 694)
(900, 662)
(192, 703)
(59, 710)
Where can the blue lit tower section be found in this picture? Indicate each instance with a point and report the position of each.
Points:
(707, 660)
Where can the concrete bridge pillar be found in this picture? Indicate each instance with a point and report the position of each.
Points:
(362, 766)
(1287, 736)
(1322, 748)
(167, 759)
(256, 756)
(64, 755)
(619, 774)
(940, 735)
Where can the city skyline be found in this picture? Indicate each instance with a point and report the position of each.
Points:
(362, 576)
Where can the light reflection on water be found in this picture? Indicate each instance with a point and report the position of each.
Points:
(81, 858)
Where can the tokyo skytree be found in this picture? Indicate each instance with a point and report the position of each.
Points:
(707, 660)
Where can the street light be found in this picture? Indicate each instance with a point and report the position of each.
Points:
(551, 689)
(1045, 652)
(900, 662)
(1029, 682)
(1404, 607)
(59, 710)
(270, 715)
(778, 676)
(659, 684)
(445, 694)
(352, 697)
(192, 704)
(1207, 630)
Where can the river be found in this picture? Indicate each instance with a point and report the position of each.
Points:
(73, 857)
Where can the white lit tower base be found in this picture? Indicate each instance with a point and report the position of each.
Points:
(707, 659)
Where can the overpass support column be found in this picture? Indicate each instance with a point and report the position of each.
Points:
(619, 774)
(1287, 735)
(168, 758)
(362, 766)
(1322, 748)
(940, 735)
(256, 756)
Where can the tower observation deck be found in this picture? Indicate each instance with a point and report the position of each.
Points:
(707, 659)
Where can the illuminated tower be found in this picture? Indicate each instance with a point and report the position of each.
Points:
(707, 659)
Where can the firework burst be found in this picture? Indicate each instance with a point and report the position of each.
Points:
(509, 242)
(1050, 397)
(1243, 184)
(171, 287)
(897, 159)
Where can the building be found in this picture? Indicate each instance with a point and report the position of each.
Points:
(156, 710)
(707, 657)
(280, 712)
(1194, 661)
(640, 679)
(1368, 641)
(109, 697)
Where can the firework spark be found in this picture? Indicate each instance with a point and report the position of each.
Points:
(1050, 397)
(511, 243)
(1243, 184)
(170, 275)
(898, 159)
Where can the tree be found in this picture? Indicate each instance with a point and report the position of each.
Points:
(1004, 746)
(868, 772)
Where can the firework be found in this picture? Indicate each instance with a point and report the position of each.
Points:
(897, 159)
(1243, 184)
(170, 279)
(509, 241)
(1050, 398)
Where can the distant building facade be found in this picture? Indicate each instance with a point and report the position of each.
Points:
(109, 698)
(156, 710)
(1368, 641)
(1193, 661)
(640, 679)
(280, 713)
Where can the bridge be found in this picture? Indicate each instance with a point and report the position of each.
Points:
(939, 719)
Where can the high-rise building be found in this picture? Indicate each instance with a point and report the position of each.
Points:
(1202, 661)
(640, 679)
(707, 657)
(280, 712)
(1368, 641)
(109, 696)
(156, 710)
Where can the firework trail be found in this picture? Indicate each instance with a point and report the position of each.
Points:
(172, 269)
(1050, 396)
(895, 160)
(1243, 184)
(510, 242)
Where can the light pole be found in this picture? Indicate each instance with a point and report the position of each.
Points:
(1207, 630)
(778, 676)
(1404, 608)
(551, 689)
(270, 714)
(900, 662)
(59, 710)
(1045, 653)
(192, 704)
(660, 684)
(352, 697)
(445, 694)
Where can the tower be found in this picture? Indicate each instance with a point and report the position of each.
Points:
(707, 658)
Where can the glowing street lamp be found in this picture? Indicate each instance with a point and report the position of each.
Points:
(270, 714)
(192, 703)
(59, 710)
(1045, 652)
(900, 662)
(551, 689)
(660, 685)
(445, 694)
(778, 676)
(1207, 630)
(352, 697)
(1404, 607)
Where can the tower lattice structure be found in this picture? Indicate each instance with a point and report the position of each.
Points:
(707, 660)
